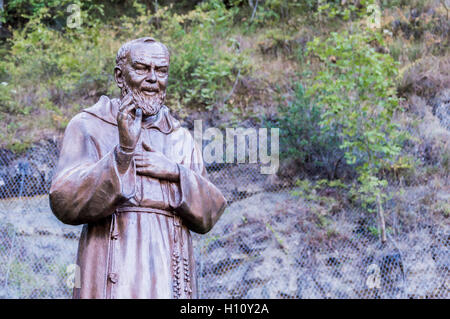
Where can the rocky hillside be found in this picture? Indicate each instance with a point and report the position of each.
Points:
(359, 91)
(269, 245)
(286, 250)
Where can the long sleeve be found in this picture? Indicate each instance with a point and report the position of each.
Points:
(87, 186)
(200, 204)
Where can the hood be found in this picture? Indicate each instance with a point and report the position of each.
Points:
(106, 110)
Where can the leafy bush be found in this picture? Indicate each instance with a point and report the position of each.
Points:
(51, 73)
(46, 70)
(17, 13)
(345, 10)
(271, 12)
(304, 140)
(356, 90)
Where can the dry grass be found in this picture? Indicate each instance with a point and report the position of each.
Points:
(425, 77)
(428, 148)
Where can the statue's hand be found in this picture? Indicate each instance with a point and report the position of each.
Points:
(156, 164)
(129, 127)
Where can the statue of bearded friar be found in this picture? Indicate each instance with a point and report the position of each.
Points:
(137, 182)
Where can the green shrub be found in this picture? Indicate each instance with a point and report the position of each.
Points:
(303, 139)
(272, 12)
(356, 90)
(348, 10)
(51, 73)
(17, 13)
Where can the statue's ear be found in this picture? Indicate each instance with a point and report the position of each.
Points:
(118, 75)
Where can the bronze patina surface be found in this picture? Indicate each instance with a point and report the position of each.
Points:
(135, 178)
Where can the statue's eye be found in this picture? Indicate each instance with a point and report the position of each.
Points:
(139, 68)
(162, 71)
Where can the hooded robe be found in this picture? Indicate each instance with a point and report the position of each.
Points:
(136, 241)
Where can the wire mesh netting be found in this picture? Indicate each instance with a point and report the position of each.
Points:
(270, 242)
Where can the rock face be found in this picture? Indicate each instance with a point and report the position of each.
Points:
(270, 246)
(36, 250)
(268, 243)
(27, 174)
(266, 246)
(441, 108)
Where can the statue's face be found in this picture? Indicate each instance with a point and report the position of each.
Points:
(146, 74)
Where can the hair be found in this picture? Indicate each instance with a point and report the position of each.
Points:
(125, 49)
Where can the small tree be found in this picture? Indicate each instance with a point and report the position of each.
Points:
(356, 91)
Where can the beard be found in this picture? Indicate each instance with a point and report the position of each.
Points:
(150, 105)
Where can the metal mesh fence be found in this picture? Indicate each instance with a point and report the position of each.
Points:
(270, 243)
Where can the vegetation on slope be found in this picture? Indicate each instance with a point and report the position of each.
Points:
(347, 82)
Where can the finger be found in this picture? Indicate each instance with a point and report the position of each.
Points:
(147, 147)
(138, 118)
(124, 114)
(125, 102)
(129, 108)
(144, 164)
(141, 164)
(122, 119)
(144, 171)
(142, 161)
(141, 171)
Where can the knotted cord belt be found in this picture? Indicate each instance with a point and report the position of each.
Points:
(136, 209)
(176, 254)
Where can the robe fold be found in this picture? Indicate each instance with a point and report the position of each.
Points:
(135, 241)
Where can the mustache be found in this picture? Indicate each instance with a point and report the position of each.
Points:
(150, 88)
(149, 104)
(139, 93)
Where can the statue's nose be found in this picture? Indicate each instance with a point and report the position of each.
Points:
(151, 77)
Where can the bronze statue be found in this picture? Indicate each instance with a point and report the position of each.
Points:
(135, 178)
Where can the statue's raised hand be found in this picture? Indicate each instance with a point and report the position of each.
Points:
(129, 126)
